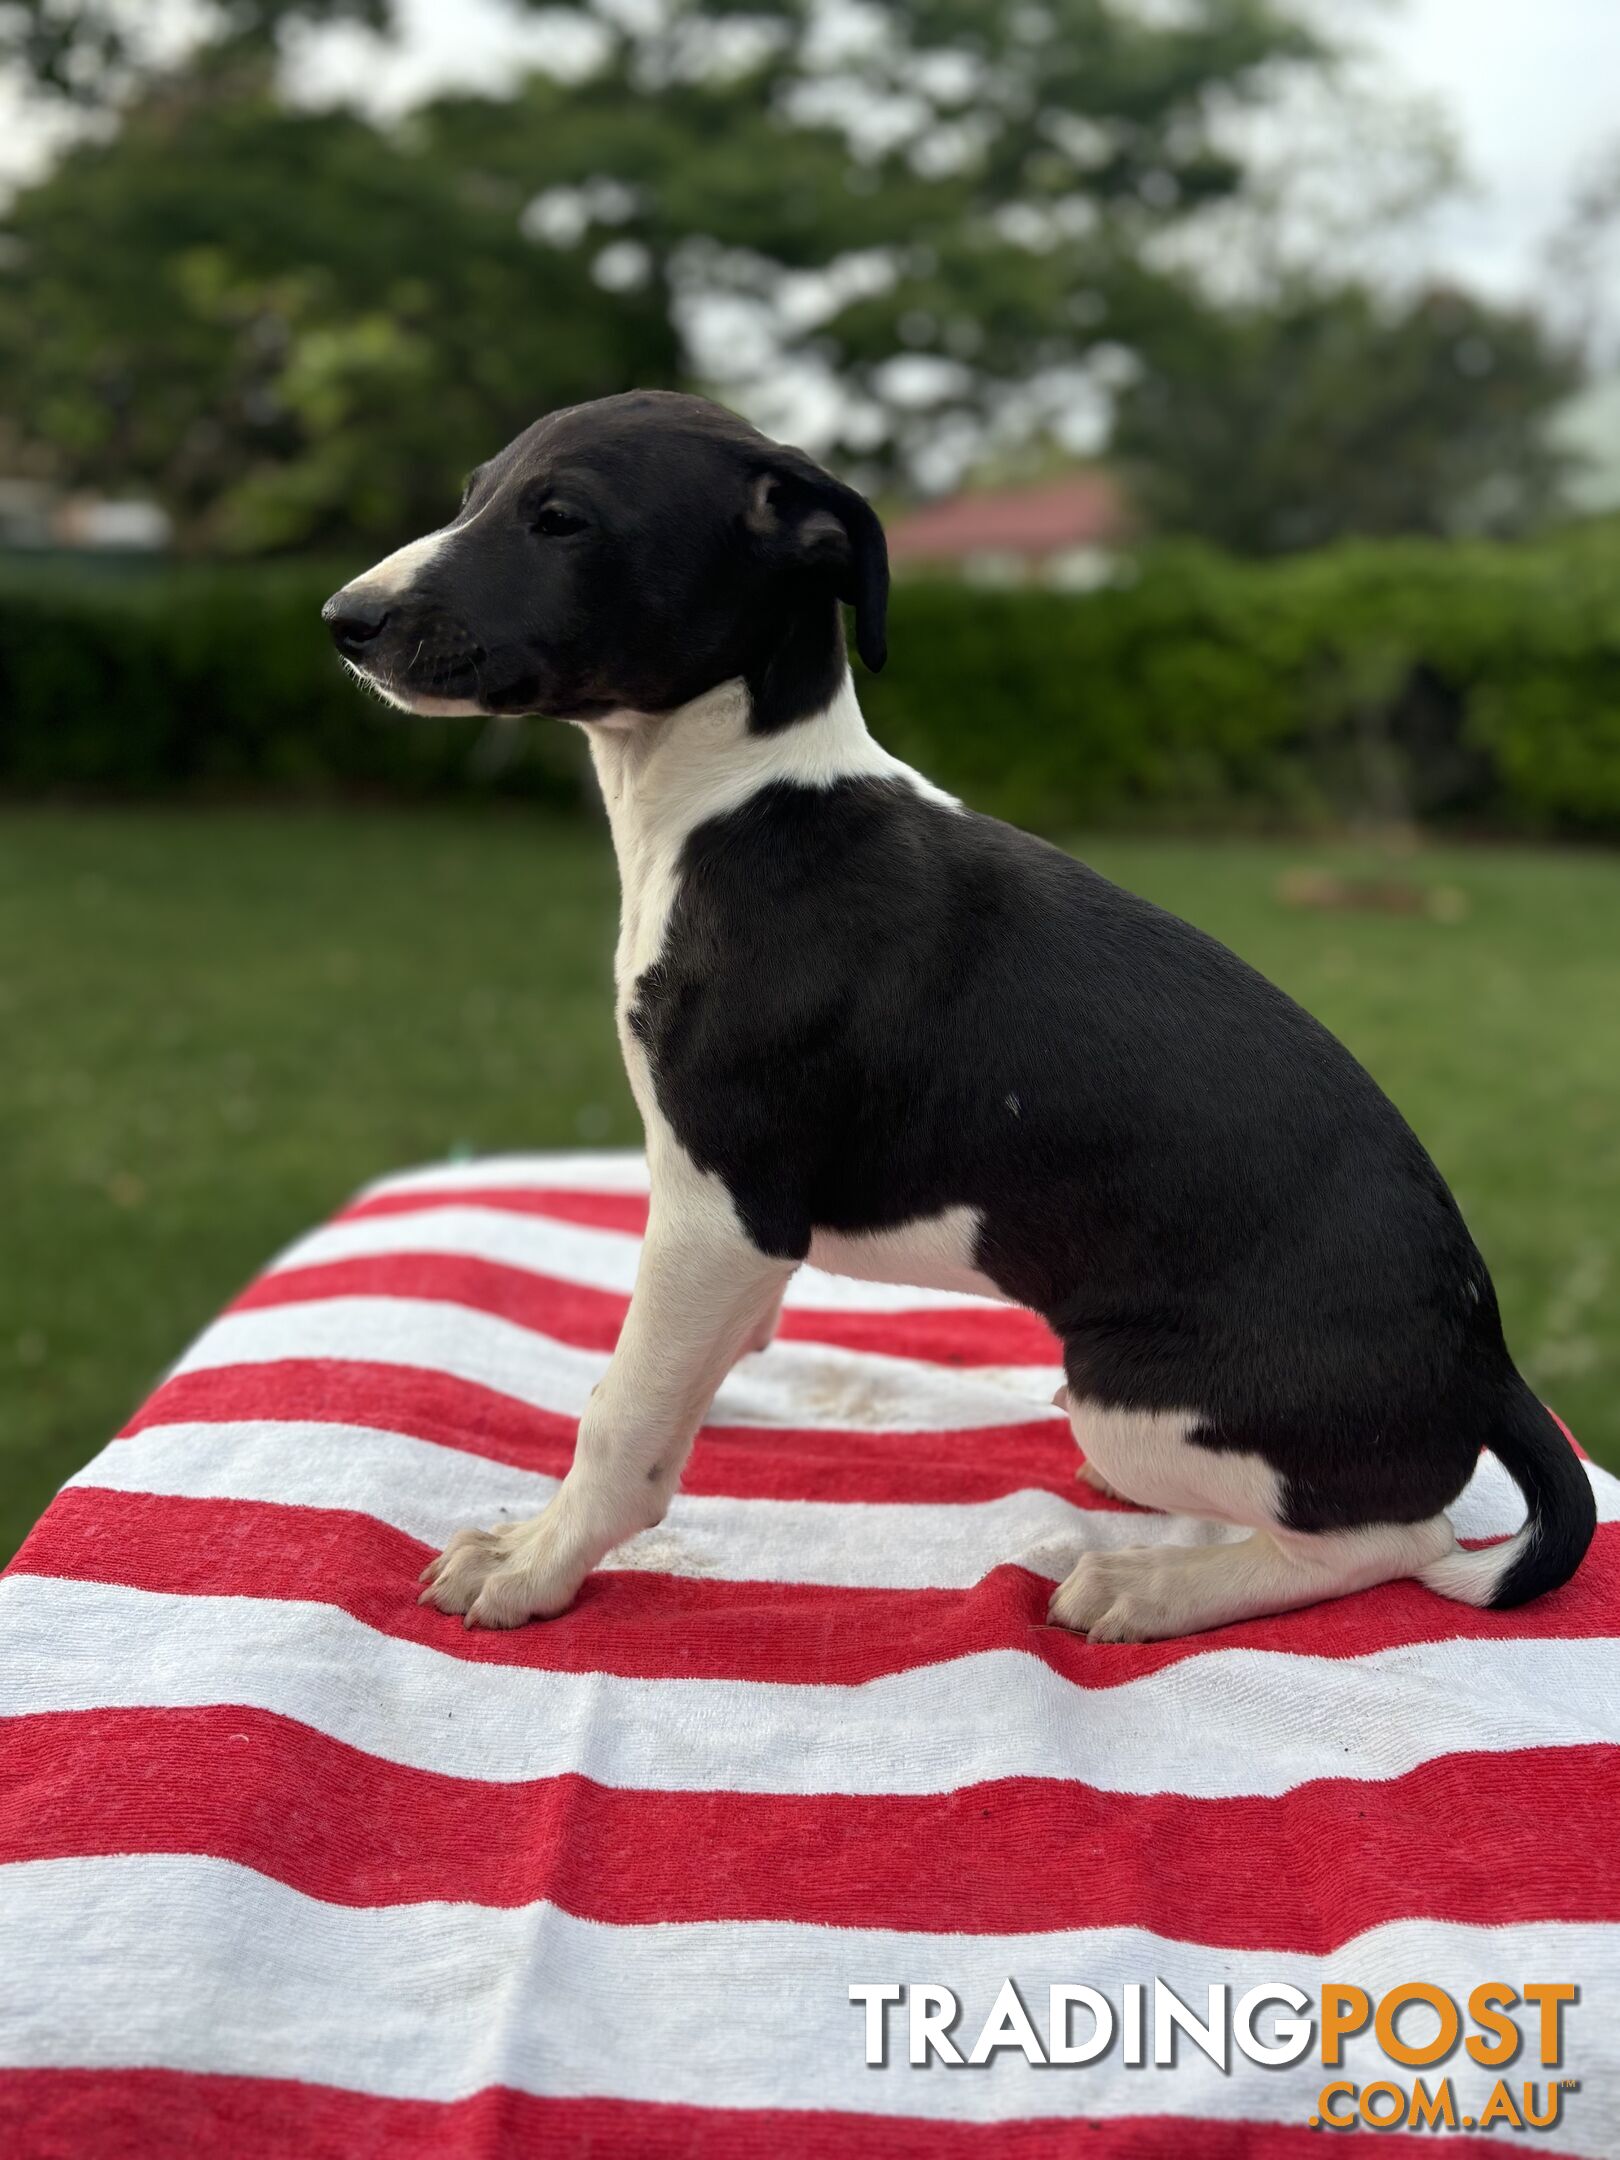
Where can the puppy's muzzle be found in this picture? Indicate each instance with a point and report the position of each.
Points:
(403, 641)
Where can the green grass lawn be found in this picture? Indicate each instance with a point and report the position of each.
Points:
(216, 1024)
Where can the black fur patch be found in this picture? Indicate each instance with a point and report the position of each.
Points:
(871, 1007)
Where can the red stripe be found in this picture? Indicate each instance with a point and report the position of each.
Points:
(747, 1462)
(643, 1625)
(596, 1210)
(142, 2114)
(1007, 1857)
(591, 1319)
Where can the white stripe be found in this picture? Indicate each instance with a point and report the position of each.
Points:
(427, 1491)
(606, 1260)
(435, 2001)
(617, 1170)
(1218, 1724)
(599, 1259)
(793, 1384)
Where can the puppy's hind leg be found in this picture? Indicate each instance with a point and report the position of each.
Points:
(1087, 1473)
(1147, 1593)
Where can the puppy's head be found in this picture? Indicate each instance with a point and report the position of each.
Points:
(623, 557)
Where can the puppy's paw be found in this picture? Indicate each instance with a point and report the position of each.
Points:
(497, 1578)
(1126, 1596)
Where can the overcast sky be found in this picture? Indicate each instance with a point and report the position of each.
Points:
(1531, 86)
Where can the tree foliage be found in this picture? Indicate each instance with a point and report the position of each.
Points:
(946, 220)
(1332, 410)
(290, 325)
(94, 52)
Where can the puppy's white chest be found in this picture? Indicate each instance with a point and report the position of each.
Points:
(649, 869)
(642, 930)
(649, 895)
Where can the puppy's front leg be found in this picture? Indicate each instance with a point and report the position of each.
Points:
(763, 1333)
(702, 1294)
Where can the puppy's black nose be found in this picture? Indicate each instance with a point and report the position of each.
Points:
(354, 619)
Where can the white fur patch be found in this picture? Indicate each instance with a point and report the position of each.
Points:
(413, 701)
(1145, 1456)
(395, 572)
(932, 1252)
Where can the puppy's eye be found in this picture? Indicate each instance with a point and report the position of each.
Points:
(556, 524)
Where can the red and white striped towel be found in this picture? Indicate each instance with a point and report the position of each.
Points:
(294, 1865)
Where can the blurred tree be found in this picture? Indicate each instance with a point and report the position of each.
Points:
(1583, 260)
(942, 212)
(1329, 410)
(289, 324)
(94, 52)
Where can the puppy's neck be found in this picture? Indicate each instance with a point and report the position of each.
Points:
(664, 774)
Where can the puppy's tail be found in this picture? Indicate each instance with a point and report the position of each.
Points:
(1531, 1445)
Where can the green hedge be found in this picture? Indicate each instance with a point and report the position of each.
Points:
(1468, 684)
(1465, 684)
(121, 678)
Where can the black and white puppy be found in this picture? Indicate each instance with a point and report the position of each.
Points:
(868, 1027)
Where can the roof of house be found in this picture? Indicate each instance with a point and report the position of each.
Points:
(1076, 509)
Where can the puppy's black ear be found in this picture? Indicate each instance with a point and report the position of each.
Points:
(810, 519)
